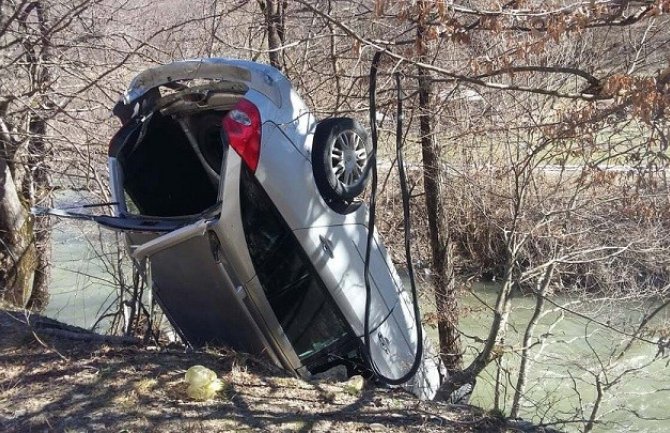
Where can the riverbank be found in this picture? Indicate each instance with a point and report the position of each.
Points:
(616, 245)
(60, 379)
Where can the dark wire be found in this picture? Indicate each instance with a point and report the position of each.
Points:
(371, 230)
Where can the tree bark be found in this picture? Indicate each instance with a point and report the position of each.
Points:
(18, 257)
(274, 22)
(24, 157)
(36, 183)
(441, 248)
(520, 388)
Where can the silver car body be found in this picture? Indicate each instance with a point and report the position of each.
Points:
(203, 272)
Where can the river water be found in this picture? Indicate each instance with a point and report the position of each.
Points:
(573, 355)
(83, 279)
(581, 344)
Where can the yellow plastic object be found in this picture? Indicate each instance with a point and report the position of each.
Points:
(202, 383)
(354, 385)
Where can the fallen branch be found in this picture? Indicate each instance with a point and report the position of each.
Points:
(42, 326)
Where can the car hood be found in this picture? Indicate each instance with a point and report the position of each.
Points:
(262, 78)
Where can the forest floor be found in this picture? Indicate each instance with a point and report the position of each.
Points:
(55, 379)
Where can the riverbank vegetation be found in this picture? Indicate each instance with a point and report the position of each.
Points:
(536, 134)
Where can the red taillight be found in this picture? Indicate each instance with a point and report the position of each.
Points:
(242, 124)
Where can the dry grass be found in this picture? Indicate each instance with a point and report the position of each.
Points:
(77, 386)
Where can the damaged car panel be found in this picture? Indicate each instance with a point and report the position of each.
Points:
(214, 178)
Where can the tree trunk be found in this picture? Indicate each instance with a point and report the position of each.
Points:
(18, 257)
(274, 22)
(520, 388)
(24, 180)
(36, 183)
(441, 248)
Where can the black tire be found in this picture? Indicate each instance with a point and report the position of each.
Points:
(340, 156)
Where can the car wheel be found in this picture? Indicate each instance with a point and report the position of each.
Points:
(340, 156)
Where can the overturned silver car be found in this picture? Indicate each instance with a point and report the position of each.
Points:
(246, 209)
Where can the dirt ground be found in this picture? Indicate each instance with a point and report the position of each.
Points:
(74, 382)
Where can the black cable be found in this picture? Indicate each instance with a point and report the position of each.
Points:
(418, 357)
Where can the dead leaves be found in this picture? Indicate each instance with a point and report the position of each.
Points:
(648, 96)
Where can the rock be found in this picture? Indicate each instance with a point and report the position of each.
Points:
(335, 374)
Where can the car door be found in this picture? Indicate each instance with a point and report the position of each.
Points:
(195, 286)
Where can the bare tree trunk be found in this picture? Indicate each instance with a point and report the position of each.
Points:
(593, 417)
(36, 181)
(334, 60)
(24, 179)
(443, 271)
(274, 22)
(497, 397)
(18, 258)
(527, 337)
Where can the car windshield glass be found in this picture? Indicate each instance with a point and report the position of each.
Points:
(303, 307)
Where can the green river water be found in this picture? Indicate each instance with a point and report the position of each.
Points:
(576, 353)
(564, 368)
